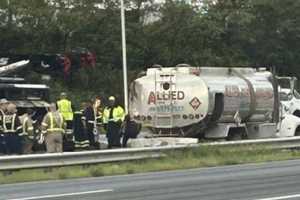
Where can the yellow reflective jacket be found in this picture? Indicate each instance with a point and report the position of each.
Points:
(118, 114)
(27, 127)
(51, 124)
(65, 108)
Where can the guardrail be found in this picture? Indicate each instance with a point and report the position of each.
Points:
(114, 155)
(274, 143)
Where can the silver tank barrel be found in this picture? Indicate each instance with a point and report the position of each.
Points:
(178, 97)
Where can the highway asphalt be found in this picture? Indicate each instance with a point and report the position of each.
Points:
(268, 181)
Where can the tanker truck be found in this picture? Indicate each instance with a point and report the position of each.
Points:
(210, 102)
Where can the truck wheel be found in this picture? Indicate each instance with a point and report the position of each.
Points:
(297, 113)
(234, 137)
(236, 134)
(297, 131)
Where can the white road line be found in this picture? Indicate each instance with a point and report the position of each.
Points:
(282, 197)
(63, 195)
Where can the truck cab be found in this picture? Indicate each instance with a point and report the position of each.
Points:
(289, 96)
(289, 107)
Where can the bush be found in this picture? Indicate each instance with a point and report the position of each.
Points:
(96, 172)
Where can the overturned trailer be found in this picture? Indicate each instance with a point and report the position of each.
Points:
(21, 93)
(211, 102)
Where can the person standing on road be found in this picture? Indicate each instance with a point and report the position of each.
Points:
(53, 128)
(97, 109)
(79, 129)
(129, 129)
(113, 116)
(12, 127)
(89, 123)
(98, 120)
(65, 108)
(3, 109)
(27, 132)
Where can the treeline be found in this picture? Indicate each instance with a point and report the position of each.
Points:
(198, 32)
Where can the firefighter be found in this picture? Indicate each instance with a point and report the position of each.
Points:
(53, 128)
(113, 116)
(27, 132)
(65, 108)
(3, 108)
(89, 123)
(81, 139)
(12, 127)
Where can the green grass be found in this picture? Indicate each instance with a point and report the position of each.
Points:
(179, 159)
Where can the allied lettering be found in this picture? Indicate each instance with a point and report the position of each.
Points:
(171, 95)
(180, 95)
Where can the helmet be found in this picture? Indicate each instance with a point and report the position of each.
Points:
(3, 101)
(112, 98)
(63, 94)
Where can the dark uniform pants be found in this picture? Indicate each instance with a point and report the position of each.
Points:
(2, 144)
(69, 124)
(90, 134)
(13, 144)
(125, 139)
(113, 134)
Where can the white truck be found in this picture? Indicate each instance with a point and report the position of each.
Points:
(212, 102)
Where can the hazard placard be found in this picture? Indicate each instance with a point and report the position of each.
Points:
(195, 103)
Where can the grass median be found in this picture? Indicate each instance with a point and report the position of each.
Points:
(177, 159)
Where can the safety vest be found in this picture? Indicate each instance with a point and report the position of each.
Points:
(54, 126)
(10, 119)
(27, 128)
(65, 108)
(117, 115)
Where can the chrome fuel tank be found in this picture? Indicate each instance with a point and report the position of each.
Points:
(248, 94)
(178, 97)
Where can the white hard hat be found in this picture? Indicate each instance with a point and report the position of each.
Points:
(63, 94)
(3, 101)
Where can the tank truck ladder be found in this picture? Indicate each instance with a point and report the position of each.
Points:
(172, 83)
(160, 79)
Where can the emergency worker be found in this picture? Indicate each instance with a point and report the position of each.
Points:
(3, 109)
(53, 128)
(113, 116)
(98, 119)
(27, 132)
(81, 139)
(65, 108)
(12, 127)
(89, 123)
(129, 129)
